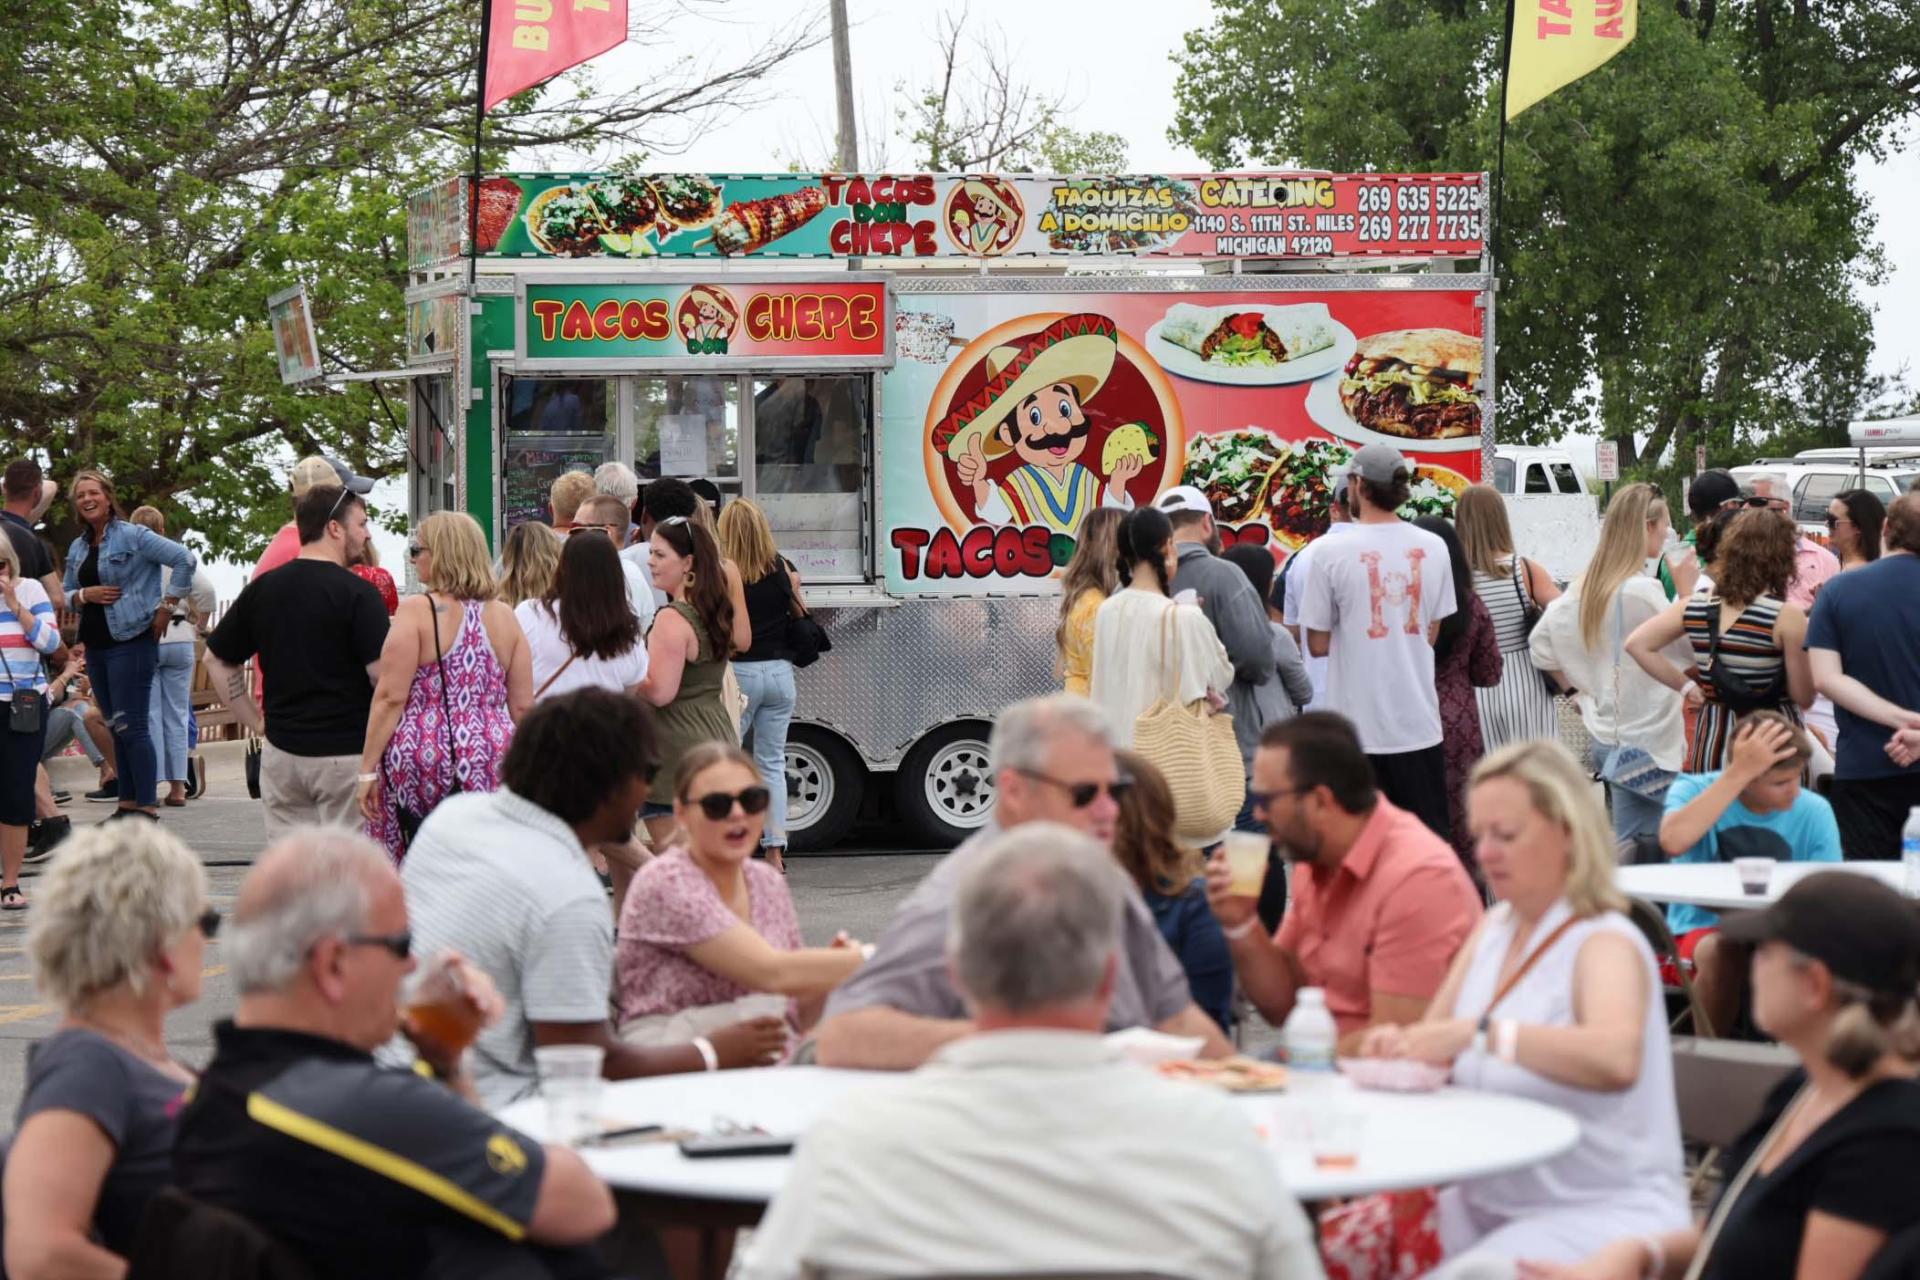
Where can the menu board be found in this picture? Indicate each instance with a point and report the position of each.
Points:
(530, 472)
(981, 216)
(1010, 418)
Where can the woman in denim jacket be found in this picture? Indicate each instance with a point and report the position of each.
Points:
(115, 568)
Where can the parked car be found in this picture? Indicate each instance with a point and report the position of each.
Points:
(1523, 469)
(1817, 476)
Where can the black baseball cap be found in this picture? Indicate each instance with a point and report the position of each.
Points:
(1861, 929)
(1709, 490)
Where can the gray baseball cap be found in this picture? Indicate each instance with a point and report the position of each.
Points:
(1376, 464)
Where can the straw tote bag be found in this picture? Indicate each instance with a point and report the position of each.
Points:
(1193, 748)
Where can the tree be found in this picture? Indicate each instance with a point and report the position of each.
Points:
(166, 165)
(1684, 242)
(978, 115)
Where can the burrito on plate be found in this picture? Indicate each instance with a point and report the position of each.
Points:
(1253, 336)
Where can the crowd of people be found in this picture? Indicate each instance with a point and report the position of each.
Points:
(558, 781)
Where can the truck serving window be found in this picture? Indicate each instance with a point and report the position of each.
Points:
(810, 449)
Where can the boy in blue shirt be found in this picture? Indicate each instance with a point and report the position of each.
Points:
(1754, 808)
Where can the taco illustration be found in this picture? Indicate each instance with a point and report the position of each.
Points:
(565, 223)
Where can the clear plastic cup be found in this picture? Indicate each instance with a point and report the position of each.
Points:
(1333, 1137)
(1246, 855)
(439, 1008)
(571, 1085)
(1756, 875)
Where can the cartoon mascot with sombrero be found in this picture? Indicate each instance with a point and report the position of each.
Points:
(1032, 405)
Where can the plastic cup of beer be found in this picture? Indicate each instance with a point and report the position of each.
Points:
(439, 1007)
(570, 1084)
(1756, 875)
(1246, 855)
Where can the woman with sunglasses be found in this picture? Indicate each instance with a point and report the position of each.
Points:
(687, 651)
(119, 940)
(708, 934)
(1854, 521)
(456, 674)
(113, 578)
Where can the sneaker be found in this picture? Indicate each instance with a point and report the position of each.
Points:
(12, 899)
(109, 794)
(43, 835)
(63, 797)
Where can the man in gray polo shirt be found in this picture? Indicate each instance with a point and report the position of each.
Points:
(1053, 762)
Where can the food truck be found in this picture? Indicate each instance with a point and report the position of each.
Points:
(928, 380)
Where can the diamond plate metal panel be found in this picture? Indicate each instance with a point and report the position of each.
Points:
(896, 673)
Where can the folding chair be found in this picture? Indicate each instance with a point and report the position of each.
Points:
(1652, 923)
(1720, 1086)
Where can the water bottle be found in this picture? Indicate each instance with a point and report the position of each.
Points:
(1909, 856)
(1310, 1035)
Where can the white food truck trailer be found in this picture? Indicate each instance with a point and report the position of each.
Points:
(927, 381)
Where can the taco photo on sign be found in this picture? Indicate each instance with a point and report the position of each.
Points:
(1036, 410)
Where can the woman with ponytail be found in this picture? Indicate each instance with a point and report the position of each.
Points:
(1139, 631)
(687, 651)
(1824, 1178)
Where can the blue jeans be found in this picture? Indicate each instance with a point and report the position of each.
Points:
(1633, 815)
(168, 708)
(768, 688)
(123, 686)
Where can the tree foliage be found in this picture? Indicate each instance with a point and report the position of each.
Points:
(165, 165)
(1684, 243)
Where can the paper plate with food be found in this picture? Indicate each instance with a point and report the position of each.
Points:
(1235, 1075)
(1300, 490)
(1414, 389)
(1395, 1075)
(1251, 346)
(1231, 468)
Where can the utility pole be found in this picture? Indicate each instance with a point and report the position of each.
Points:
(848, 157)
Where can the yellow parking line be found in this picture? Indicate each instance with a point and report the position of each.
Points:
(28, 1012)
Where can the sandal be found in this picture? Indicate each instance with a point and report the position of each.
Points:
(12, 899)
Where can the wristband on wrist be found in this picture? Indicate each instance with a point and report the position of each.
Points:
(1242, 929)
(1656, 1258)
(368, 777)
(707, 1055)
(1506, 1039)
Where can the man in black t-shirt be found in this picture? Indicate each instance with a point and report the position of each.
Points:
(367, 1172)
(320, 629)
(26, 496)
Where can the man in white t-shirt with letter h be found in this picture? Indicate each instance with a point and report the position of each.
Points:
(1373, 605)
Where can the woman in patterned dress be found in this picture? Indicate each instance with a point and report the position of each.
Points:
(455, 676)
(1514, 589)
(1466, 660)
(1762, 639)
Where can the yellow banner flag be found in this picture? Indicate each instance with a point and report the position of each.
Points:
(1555, 42)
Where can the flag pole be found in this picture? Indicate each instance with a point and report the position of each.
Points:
(479, 124)
(1500, 157)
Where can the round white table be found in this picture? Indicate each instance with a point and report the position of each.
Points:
(1407, 1140)
(1717, 884)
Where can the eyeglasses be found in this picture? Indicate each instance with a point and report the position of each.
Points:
(1083, 794)
(415, 551)
(400, 944)
(334, 509)
(718, 804)
(209, 923)
(674, 520)
(1833, 520)
(1756, 502)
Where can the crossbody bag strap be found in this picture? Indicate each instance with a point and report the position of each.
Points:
(1526, 966)
(1170, 654)
(1710, 1235)
(1619, 653)
(439, 661)
(555, 676)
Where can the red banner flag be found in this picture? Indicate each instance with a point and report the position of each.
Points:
(533, 40)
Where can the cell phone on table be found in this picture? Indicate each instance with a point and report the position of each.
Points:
(716, 1146)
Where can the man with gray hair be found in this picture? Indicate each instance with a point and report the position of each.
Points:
(1053, 761)
(616, 480)
(365, 1171)
(1813, 564)
(1030, 1145)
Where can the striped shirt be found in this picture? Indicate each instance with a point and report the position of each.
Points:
(1747, 649)
(1519, 707)
(24, 642)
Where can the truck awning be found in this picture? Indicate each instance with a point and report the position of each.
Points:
(381, 375)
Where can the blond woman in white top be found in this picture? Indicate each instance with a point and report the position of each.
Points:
(1140, 634)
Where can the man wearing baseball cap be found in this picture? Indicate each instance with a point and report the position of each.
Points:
(1372, 606)
(1234, 608)
(1834, 978)
(1710, 493)
(285, 546)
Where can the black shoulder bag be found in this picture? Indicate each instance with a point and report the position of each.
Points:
(1530, 614)
(1739, 694)
(27, 712)
(806, 638)
(409, 820)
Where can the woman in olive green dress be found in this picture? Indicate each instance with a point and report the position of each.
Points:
(687, 652)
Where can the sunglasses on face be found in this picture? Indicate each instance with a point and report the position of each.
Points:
(415, 551)
(399, 944)
(209, 923)
(718, 804)
(1083, 794)
(1833, 520)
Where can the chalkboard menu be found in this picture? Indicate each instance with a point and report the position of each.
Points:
(530, 473)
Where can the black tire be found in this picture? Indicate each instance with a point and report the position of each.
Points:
(825, 784)
(944, 789)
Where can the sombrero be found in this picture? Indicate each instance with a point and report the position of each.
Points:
(707, 293)
(1077, 350)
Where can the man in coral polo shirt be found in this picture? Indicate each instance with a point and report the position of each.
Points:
(1380, 903)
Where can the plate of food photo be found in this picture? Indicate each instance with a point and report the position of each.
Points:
(1251, 346)
(1231, 468)
(1411, 388)
(1300, 490)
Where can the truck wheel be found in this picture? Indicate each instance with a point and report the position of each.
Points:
(944, 789)
(825, 782)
